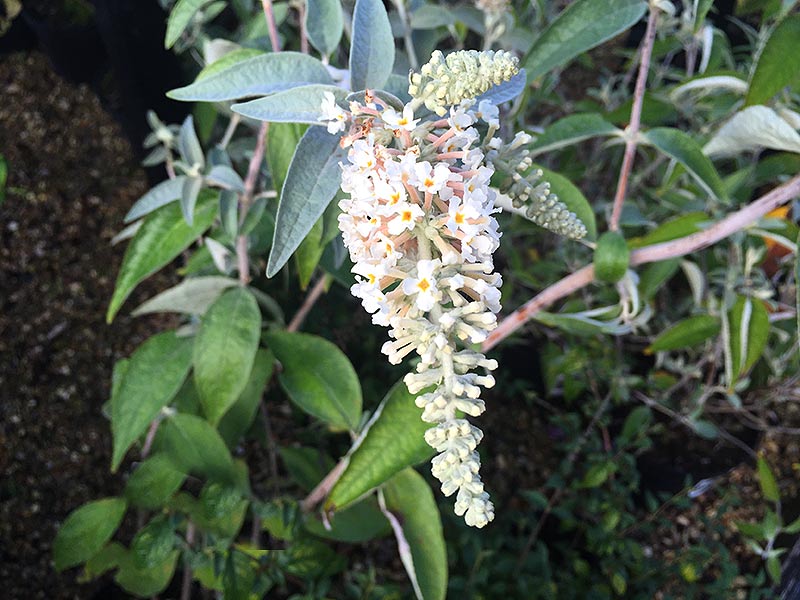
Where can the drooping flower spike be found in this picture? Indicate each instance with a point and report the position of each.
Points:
(420, 228)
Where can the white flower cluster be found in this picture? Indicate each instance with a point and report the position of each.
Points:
(419, 225)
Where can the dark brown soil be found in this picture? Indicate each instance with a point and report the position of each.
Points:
(72, 177)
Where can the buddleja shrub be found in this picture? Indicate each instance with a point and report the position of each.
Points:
(407, 176)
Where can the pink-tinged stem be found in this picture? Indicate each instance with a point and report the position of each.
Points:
(271, 26)
(654, 253)
(632, 132)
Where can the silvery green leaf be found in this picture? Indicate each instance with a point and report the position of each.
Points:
(311, 183)
(189, 192)
(707, 85)
(298, 105)
(215, 49)
(225, 177)
(189, 145)
(397, 85)
(508, 90)
(164, 193)
(581, 26)
(229, 212)
(190, 297)
(431, 16)
(324, 24)
(126, 233)
(752, 128)
(372, 49)
(213, 10)
(256, 76)
(254, 215)
(156, 157)
(222, 257)
(219, 156)
(180, 18)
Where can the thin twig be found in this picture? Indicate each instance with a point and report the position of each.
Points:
(271, 26)
(232, 125)
(654, 253)
(324, 487)
(308, 303)
(246, 198)
(632, 131)
(186, 584)
(408, 41)
(301, 16)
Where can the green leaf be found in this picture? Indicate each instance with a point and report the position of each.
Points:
(86, 530)
(703, 6)
(189, 193)
(774, 569)
(753, 128)
(636, 421)
(257, 76)
(409, 497)
(571, 130)
(301, 104)
(307, 466)
(162, 194)
(753, 530)
(680, 146)
(505, 91)
(324, 24)
(573, 198)
(396, 425)
(749, 331)
(311, 559)
(282, 141)
(318, 377)
(686, 334)
(230, 59)
(145, 582)
(225, 349)
(190, 297)
(239, 418)
(153, 543)
(583, 25)
(311, 183)
(766, 481)
(778, 63)
(655, 275)
(108, 558)
(189, 146)
(671, 230)
(597, 475)
(163, 236)
(221, 509)
(431, 16)
(142, 394)
(372, 49)
(196, 447)
(225, 177)
(356, 524)
(179, 19)
(153, 482)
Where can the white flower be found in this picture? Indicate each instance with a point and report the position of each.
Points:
(423, 285)
(488, 113)
(396, 120)
(333, 114)
(430, 179)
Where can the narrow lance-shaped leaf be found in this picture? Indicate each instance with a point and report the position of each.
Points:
(141, 395)
(583, 25)
(311, 183)
(235, 423)
(418, 528)
(86, 530)
(194, 446)
(766, 480)
(162, 194)
(256, 76)
(686, 333)
(153, 482)
(189, 194)
(190, 297)
(778, 63)
(225, 349)
(225, 177)
(302, 104)
(189, 146)
(372, 48)
(324, 24)
(179, 19)
(508, 90)
(163, 236)
(396, 424)
(749, 329)
(571, 130)
(573, 198)
(753, 128)
(680, 146)
(318, 377)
